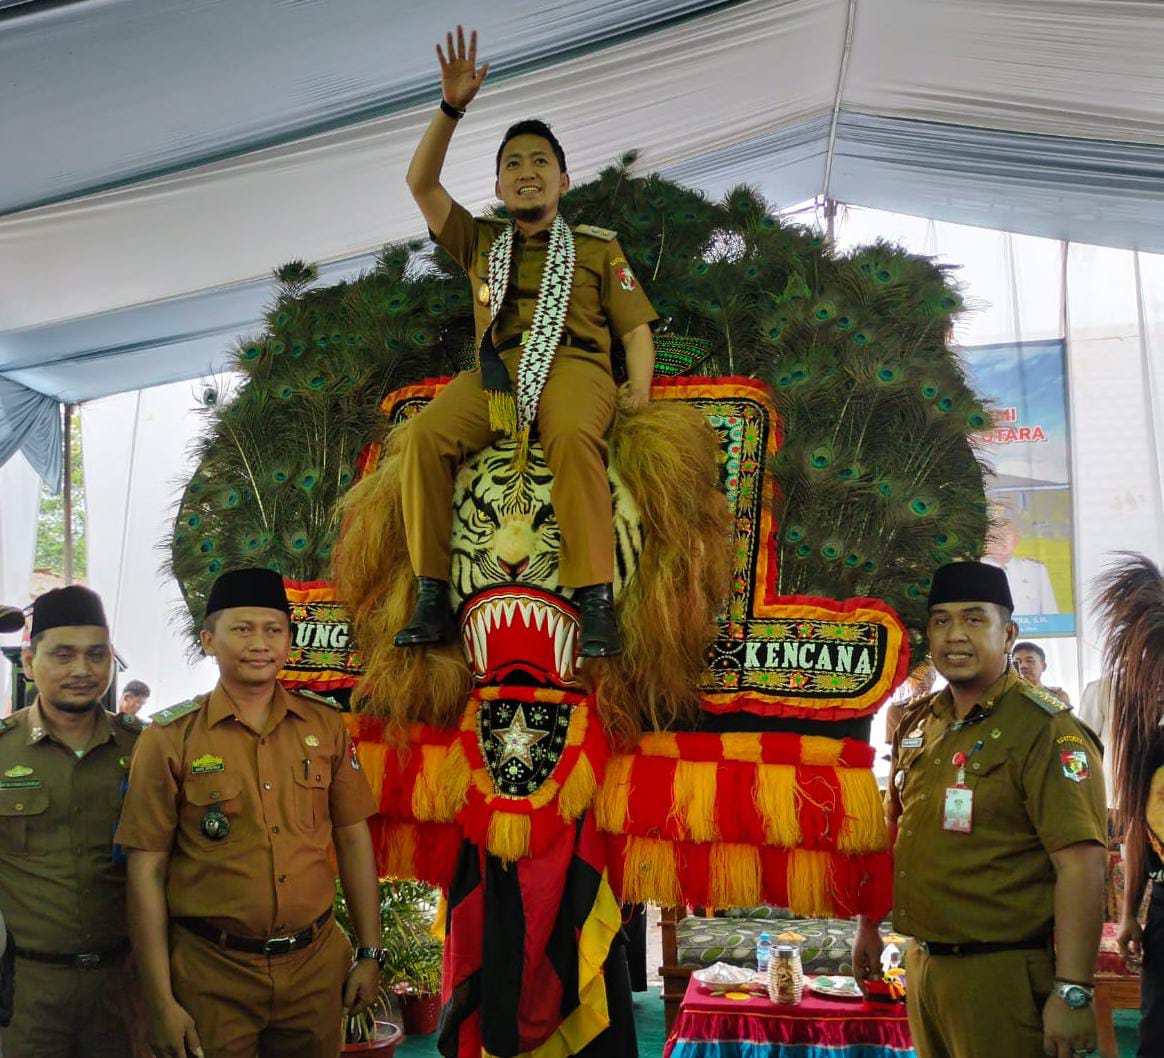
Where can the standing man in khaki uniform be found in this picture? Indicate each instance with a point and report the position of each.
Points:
(234, 800)
(998, 802)
(548, 301)
(63, 765)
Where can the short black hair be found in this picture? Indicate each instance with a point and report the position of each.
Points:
(136, 688)
(533, 127)
(1030, 646)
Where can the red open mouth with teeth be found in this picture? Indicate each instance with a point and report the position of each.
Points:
(520, 628)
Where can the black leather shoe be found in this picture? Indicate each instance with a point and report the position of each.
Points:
(432, 619)
(599, 637)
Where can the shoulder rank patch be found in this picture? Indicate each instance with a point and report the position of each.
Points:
(605, 234)
(130, 723)
(1045, 701)
(176, 712)
(320, 699)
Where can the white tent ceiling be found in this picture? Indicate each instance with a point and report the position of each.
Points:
(159, 157)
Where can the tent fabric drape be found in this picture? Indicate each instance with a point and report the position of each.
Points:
(171, 202)
(19, 506)
(135, 452)
(31, 422)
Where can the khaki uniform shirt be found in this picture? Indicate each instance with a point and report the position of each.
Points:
(62, 884)
(1038, 787)
(283, 790)
(606, 297)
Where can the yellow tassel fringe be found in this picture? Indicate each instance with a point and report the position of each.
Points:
(650, 873)
(734, 875)
(694, 801)
(863, 828)
(508, 837)
(502, 412)
(372, 756)
(808, 883)
(453, 785)
(426, 791)
(775, 797)
(578, 790)
(400, 851)
(611, 804)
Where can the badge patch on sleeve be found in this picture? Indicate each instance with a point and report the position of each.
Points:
(355, 760)
(626, 278)
(1075, 764)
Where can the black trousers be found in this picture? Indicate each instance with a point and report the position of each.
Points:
(1152, 979)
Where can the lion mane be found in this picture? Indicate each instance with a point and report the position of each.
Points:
(669, 460)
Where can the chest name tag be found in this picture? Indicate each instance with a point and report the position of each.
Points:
(958, 814)
(913, 742)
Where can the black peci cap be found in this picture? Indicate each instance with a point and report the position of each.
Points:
(970, 582)
(248, 587)
(67, 607)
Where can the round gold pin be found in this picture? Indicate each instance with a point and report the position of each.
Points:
(311, 740)
(996, 733)
(483, 293)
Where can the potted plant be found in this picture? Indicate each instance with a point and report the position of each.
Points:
(418, 984)
(412, 970)
(371, 1032)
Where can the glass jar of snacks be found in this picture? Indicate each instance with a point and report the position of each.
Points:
(785, 975)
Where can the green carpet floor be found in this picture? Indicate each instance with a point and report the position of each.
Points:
(649, 1022)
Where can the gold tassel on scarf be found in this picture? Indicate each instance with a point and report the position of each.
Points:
(502, 412)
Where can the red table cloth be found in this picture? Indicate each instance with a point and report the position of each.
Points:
(717, 1027)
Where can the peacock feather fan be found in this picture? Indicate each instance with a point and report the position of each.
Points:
(878, 482)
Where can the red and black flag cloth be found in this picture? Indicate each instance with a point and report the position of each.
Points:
(535, 966)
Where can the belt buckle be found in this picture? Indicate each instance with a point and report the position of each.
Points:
(88, 961)
(279, 945)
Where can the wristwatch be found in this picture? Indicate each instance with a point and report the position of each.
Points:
(379, 954)
(1075, 996)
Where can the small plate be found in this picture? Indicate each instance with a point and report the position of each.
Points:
(836, 987)
(722, 973)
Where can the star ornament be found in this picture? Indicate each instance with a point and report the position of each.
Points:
(517, 740)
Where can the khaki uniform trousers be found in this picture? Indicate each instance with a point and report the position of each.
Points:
(67, 1012)
(263, 1006)
(973, 1006)
(574, 415)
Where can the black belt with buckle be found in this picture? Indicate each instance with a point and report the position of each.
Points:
(86, 960)
(983, 947)
(254, 945)
(566, 339)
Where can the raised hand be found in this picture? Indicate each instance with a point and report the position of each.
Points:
(460, 77)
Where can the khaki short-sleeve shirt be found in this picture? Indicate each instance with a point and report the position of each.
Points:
(1038, 787)
(281, 791)
(606, 297)
(62, 882)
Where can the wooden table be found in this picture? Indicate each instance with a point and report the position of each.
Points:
(717, 1027)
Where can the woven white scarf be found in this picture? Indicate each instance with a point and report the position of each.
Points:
(549, 318)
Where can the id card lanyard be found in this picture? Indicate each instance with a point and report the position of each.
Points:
(958, 814)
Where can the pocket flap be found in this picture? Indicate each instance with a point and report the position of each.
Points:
(28, 802)
(316, 776)
(212, 789)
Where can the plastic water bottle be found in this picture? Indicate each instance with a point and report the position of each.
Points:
(763, 953)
